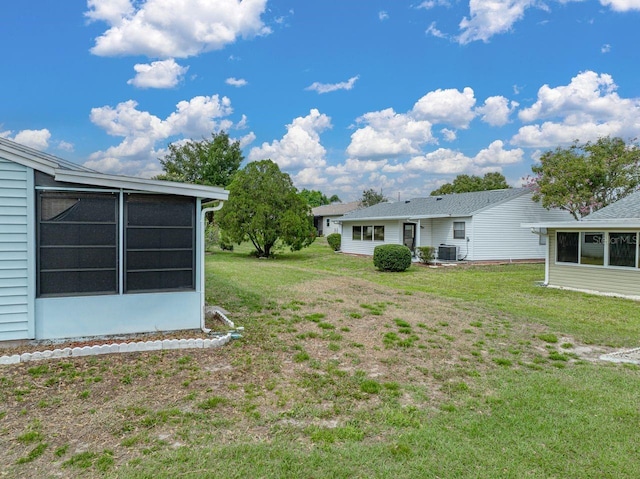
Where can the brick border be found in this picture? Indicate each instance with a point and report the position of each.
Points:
(119, 348)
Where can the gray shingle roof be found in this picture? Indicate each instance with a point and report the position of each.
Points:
(335, 209)
(460, 204)
(628, 207)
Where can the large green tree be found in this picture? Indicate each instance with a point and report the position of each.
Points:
(317, 198)
(371, 197)
(586, 176)
(469, 183)
(264, 207)
(211, 161)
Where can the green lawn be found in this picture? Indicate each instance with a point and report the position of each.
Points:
(347, 372)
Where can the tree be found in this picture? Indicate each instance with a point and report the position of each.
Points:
(466, 184)
(586, 177)
(208, 162)
(371, 197)
(317, 198)
(264, 207)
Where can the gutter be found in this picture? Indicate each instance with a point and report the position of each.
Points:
(203, 214)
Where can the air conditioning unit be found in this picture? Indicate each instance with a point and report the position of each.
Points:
(447, 253)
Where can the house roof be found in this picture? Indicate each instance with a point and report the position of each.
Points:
(335, 209)
(624, 213)
(453, 205)
(65, 171)
(627, 207)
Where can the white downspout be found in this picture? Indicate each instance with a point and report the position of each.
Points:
(203, 214)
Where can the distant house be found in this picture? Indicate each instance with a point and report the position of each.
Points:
(84, 253)
(477, 226)
(324, 216)
(599, 253)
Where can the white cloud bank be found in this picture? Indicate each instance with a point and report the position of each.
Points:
(174, 29)
(141, 131)
(493, 17)
(38, 139)
(587, 108)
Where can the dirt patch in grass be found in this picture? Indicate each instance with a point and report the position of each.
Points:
(337, 351)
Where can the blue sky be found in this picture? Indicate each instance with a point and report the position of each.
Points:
(344, 95)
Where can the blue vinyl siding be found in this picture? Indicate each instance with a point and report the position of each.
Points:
(16, 191)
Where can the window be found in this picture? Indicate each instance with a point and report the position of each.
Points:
(77, 243)
(328, 222)
(368, 233)
(160, 243)
(567, 247)
(458, 230)
(592, 248)
(623, 249)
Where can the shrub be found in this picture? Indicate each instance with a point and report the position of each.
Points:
(426, 254)
(334, 240)
(392, 257)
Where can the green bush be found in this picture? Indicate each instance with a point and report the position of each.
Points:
(426, 254)
(334, 240)
(392, 257)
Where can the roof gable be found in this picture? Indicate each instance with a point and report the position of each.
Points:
(65, 171)
(458, 204)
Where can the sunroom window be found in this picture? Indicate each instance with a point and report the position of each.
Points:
(159, 242)
(592, 248)
(77, 243)
(623, 249)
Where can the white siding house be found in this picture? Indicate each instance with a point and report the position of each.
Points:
(325, 216)
(16, 237)
(482, 225)
(85, 254)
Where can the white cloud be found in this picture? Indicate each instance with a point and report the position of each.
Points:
(237, 82)
(450, 107)
(587, 108)
(329, 87)
(621, 5)
(382, 15)
(65, 146)
(496, 110)
(449, 135)
(38, 139)
(434, 32)
(309, 178)
(495, 154)
(141, 131)
(388, 133)
(160, 74)
(606, 48)
(429, 4)
(491, 17)
(300, 147)
(172, 28)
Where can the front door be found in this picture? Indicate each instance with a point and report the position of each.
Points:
(409, 235)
